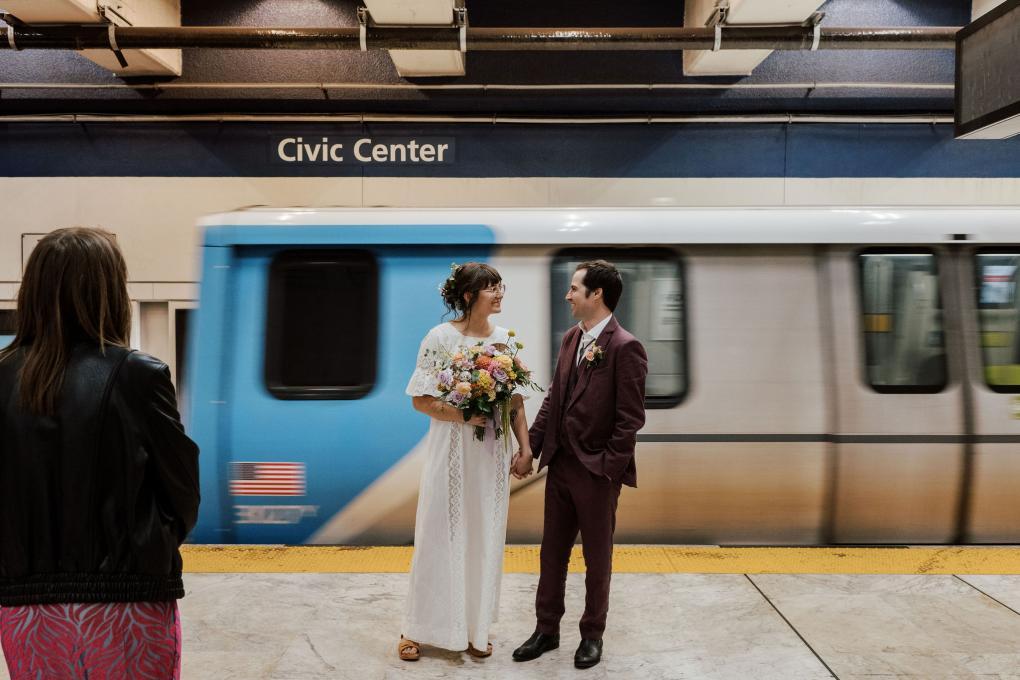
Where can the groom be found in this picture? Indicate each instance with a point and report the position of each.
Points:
(584, 433)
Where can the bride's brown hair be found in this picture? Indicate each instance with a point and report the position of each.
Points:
(468, 280)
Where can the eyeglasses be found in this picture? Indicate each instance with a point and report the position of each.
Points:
(498, 289)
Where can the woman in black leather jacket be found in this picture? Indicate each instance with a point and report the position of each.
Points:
(98, 482)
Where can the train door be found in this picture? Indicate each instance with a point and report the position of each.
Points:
(318, 344)
(898, 416)
(991, 313)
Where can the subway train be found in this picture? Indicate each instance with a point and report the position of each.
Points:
(816, 376)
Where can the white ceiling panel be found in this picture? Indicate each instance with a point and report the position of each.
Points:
(422, 63)
(979, 7)
(434, 12)
(770, 11)
(419, 63)
(53, 11)
(122, 13)
(739, 62)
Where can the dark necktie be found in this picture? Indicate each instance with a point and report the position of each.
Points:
(575, 371)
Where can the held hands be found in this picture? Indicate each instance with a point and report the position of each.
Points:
(521, 464)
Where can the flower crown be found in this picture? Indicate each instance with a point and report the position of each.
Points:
(446, 286)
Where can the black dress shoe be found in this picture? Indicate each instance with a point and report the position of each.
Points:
(588, 653)
(537, 645)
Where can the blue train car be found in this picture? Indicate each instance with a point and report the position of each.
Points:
(321, 394)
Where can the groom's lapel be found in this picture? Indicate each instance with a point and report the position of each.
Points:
(605, 337)
(563, 365)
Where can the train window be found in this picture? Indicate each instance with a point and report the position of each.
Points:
(999, 317)
(322, 324)
(902, 321)
(6, 327)
(652, 308)
(182, 318)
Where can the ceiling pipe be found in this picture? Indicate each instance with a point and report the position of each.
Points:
(81, 37)
(495, 119)
(480, 87)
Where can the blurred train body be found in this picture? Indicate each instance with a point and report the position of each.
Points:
(816, 375)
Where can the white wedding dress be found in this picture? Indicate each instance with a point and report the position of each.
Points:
(460, 526)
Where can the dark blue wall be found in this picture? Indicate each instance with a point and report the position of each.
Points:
(249, 150)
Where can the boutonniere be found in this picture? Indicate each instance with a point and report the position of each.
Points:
(593, 355)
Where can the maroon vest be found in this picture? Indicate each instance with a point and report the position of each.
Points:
(575, 372)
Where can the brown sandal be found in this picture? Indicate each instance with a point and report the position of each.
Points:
(408, 650)
(478, 654)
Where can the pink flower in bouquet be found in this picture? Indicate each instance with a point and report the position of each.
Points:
(500, 375)
(463, 388)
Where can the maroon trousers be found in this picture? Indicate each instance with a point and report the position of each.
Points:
(576, 500)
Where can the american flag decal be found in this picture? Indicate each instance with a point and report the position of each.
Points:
(267, 479)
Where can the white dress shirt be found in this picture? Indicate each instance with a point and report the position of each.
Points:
(589, 337)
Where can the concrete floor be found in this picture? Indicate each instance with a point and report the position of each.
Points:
(726, 626)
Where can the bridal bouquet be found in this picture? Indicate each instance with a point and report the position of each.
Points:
(480, 379)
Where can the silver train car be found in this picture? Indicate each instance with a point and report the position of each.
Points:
(817, 376)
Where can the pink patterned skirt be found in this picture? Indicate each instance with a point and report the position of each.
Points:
(98, 641)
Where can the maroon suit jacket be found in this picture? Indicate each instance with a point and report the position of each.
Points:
(599, 420)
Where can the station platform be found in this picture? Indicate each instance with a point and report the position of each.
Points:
(304, 613)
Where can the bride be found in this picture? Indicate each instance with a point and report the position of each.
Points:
(460, 525)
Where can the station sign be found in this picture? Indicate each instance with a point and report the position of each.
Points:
(987, 84)
(318, 149)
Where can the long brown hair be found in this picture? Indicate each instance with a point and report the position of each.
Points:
(74, 289)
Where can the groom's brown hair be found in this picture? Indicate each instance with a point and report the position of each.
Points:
(603, 274)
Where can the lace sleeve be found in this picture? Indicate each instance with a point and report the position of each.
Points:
(423, 381)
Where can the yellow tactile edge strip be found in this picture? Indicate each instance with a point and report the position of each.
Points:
(656, 559)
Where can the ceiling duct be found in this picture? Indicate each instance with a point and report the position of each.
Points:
(987, 75)
(420, 13)
(110, 14)
(720, 13)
